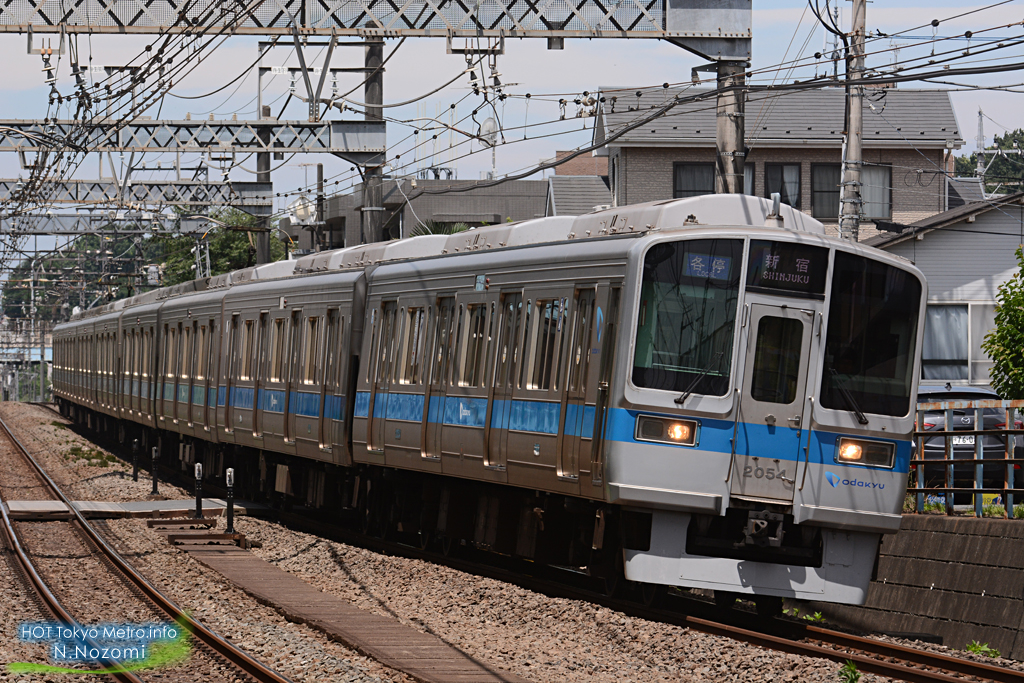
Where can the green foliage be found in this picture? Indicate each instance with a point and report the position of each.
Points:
(229, 249)
(981, 649)
(934, 506)
(437, 228)
(1005, 175)
(1005, 343)
(816, 617)
(848, 673)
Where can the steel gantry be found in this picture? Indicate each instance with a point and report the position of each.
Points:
(717, 30)
(257, 197)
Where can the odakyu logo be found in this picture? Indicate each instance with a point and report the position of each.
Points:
(836, 481)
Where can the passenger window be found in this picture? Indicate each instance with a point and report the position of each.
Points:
(519, 356)
(412, 351)
(776, 360)
(172, 353)
(309, 356)
(474, 345)
(201, 354)
(186, 352)
(247, 350)
(277, 351)
(546, 345)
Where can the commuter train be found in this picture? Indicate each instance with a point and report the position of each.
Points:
(706, 392)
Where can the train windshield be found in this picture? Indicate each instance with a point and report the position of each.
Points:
(872, 330)
(688, 299)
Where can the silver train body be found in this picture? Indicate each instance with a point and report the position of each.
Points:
(691, 393)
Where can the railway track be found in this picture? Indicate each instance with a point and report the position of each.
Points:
(894, 661)
(207, 639)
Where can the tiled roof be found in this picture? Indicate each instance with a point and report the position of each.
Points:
(899, 118)
(574, 195)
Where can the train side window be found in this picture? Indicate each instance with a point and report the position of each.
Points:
(295, 346)
(277, 350)
(232, 365)
(247, 355)
(186, 351)
(412, 350)
(172, 353)
(373, 340)
(200, 364)
(339, 345)
(519, 356)
(211, 352)
(309, 352)
(330, 340)
(546, 345)
(260, 352)
(471, 361)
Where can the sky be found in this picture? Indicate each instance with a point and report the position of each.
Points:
(782, 30)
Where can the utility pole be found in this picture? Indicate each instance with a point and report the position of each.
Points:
(263, 176)
(980, 143)
(730, 130)
(373, 94)
(320, 222)
(849, 220)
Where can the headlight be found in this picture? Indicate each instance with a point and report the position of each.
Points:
(663, 430)
(861, 452)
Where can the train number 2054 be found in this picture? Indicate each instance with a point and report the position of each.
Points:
(763, 473)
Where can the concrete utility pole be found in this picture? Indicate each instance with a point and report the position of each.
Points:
(263, 176)
(320, 222)
(849, 220)
(730, 131)
(373, 196)
(979, 141)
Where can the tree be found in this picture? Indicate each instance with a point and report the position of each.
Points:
(230, 249)
(1005, 344)
(1005, 173)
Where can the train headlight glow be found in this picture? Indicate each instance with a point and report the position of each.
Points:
(863, 452)
(677, 431)
(662, 430)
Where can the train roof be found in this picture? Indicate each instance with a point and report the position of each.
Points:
(705, 210)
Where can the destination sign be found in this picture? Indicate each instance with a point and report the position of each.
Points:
(789, 267)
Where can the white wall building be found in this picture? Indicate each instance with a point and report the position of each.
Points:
(965, 253)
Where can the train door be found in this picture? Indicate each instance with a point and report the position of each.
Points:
(579, 419)
(327, 381)
(292, 368)
(772, 400)
(209, 404)
(506, 361)
(381, 377)
(606, 325)
(259, 376)
(437, 388)
(231, 369)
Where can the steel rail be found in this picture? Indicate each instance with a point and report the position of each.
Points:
(870, 655)
(232, 654)
(50, 600)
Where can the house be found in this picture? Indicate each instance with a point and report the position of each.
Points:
(965, 253)
(574, 195)
(406, 205)
(794, 141)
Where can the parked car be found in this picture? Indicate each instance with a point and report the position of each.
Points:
(964, 446)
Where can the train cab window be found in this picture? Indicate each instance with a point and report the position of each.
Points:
(776, 360)
(687, 317)
(872, 331)
(412, 349)
(471, 360)
(309, 355)
(546, 345)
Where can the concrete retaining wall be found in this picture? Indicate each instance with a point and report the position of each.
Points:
(958, 578)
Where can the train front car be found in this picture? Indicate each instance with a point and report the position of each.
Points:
(763, 438)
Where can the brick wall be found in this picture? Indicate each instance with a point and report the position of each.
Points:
(958, 578)
(644, 174)
(584, 164)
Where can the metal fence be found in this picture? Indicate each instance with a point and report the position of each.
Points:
(966, 452)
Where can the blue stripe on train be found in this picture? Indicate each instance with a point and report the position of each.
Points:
(362, 407)
(305, 403)
(242, 397)
(271, 400)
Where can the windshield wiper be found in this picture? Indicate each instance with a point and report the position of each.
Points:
(838, 381)
(707, 368)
